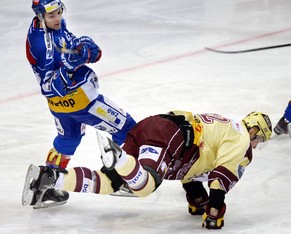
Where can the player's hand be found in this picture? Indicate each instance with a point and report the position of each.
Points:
(61, 82)
(72, 61)
(211, 221)
(95, 52)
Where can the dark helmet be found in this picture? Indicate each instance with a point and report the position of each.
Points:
(46, 6)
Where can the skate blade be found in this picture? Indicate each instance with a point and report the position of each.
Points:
(27, 194)
(122, 194)
(42, 205)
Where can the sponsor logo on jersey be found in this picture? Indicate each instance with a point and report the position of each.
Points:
(111, 115)
(136, 178)
(149, 149)
(85, 188)
(73, 101)
(63, 103)
(151, 152)
(105, 127)
(59, 127)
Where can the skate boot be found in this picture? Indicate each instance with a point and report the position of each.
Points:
(110, 154)
(38, 188)
(124, 191)
(110, 151)
(282, 126)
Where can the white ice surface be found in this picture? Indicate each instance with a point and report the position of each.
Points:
(153, 61)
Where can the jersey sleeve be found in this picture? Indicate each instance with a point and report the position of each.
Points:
(232, 157)
(41, 58)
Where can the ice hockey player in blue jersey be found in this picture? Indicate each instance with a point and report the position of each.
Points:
(58, 59)
(284, 124)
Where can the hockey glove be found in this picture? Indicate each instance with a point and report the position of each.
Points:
(197, 208)
(61, 81)
(95, 52)
(196, 196)
(213, 222)
(72, 61)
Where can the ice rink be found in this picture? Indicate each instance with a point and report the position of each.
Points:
(153, 61)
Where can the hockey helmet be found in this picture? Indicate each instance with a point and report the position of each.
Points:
(46, 6)
(262, 122)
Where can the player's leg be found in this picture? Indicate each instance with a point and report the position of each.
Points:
(69, 136)
(42, 182)
(38, 188)
(71, 129)
(70, 133)
(141, 179)
(107, 116)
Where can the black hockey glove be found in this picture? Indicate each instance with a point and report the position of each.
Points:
(196, 196)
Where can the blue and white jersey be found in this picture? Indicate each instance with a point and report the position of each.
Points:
(46, 61)
(78, 102)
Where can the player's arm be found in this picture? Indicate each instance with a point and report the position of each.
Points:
(86, 51)
(52, 78)
(221, 180)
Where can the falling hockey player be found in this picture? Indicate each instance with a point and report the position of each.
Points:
(176, 146)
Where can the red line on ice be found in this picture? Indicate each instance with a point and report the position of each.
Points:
(166, 60)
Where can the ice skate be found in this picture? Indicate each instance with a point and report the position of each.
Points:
(110, 151)
(38, 188)
(281, 127)
(123, 191)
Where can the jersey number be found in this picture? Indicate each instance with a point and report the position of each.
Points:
(210, 118)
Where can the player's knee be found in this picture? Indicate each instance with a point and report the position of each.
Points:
(147, 188)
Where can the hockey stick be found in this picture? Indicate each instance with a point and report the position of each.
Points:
(249, 50)
(62, 49)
